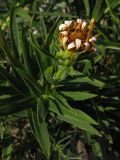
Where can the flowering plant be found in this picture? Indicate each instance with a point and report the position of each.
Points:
(57, 81)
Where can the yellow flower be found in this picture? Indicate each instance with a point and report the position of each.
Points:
(76, 36)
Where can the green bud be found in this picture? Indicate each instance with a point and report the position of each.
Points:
(67, 62)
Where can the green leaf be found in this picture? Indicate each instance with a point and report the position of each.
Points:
(14, 82)
(62, 100)
(114, 17)
(42, 58)
(42, 111)
(112, 47)
(87, 66)
(96, 146)
(97, 10)
(7, 152)
(43, 29)
(49, 72)
(114, 3)
(14, 105)
(22, 13)
(68, 109)
(7, 99)
(78, 96)
(37, 118)
(87, 7)
(73, 118)
(30, 83)
(14, 32)
(88, 80)
(25, 53)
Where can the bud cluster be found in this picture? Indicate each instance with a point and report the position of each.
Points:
(66, 58)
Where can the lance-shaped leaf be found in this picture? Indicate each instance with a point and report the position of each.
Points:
(14, 82)
(79, 80)
(30, 82)
(73, 118)
(39, 127)
(78, 96)
(14, 106)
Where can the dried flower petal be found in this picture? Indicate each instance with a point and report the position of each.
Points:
(71, 46)
(68, 23)
(79, 21)
(90, 29)
(62, 27)
(77, 43)
(84, 24)
(64, 40)
(93, 39)
(87, 45)
(65, 33)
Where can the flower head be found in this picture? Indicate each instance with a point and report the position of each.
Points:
(76, 36)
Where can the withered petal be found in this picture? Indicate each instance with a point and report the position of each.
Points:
(71, 45)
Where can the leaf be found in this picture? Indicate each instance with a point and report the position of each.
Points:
(87, 66)
(16, 105)
(78, 96)
(43, 29)
(31, 83)
(49, 72)
(42, 111)
(114, 17)
(97, 10)
(79, 114)
(14, 82)
(14, 32)
(87, 7)
(25, 53)
(7, 152)
(72, 117)
(88, 80)
(6, 100)
(62, 100)
(42, 58)
(112, 47)
(114, 3)
(37, 118)
(22, 13)
(96, 146)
